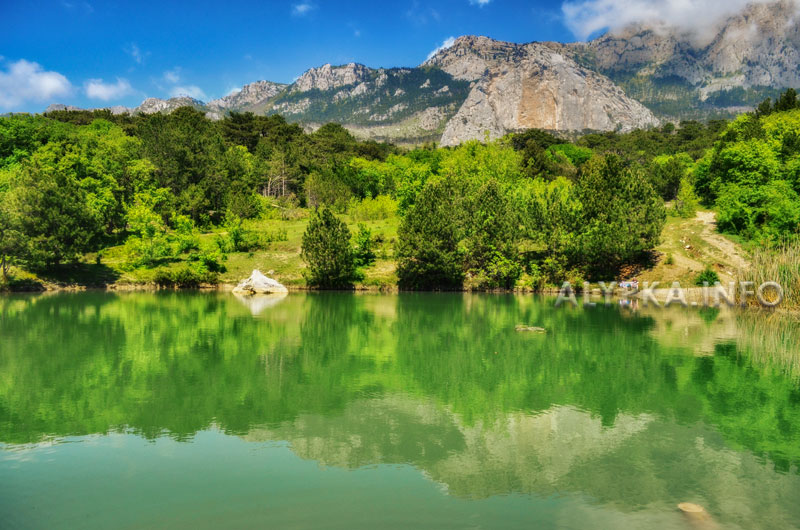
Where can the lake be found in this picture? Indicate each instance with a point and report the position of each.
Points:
(340, 410)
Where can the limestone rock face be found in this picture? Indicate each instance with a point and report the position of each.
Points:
(153, 105)
(327, 77)
(250, 95)
(758, 47)
(257, 283)
(521, 86)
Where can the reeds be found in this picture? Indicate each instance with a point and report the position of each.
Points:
(781, 265)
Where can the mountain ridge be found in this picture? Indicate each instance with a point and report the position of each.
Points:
(619, 81)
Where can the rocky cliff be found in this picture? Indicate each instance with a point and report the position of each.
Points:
(522, 86)
(153, 105)
(249, 97)
(734, 64)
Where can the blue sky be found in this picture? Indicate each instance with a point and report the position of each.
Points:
(92, 53)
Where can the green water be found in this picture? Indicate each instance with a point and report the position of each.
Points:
(175, 410)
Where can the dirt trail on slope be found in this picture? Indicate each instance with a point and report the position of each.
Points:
(730, 251)
(689, 246)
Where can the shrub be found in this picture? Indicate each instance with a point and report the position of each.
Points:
(364, 247)
(185, 235)
(238, 238)
(686, 202)
(708, 276)
(185, 277)
(369, 209)
(327, 251)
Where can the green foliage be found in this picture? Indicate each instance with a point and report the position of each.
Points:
(327, 251)
(364, 247)
(237, 237)
(686, 202)
(327, 189)
(148, 243)
(667, 172)
(51, 209)
(491, 257)
(707, 277)
(185, 277)
(751, 176)
(185, 237)
(621, 218)
(576, 155)
(428, 253)
(369, 209)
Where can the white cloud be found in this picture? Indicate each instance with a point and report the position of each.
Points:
(448, 42)
(97, 89)
(699, 17)
(28, 81)
(302, 8)
(480, 2)
(233, 91)
(173, 76)
(192, 91)
(134, 51)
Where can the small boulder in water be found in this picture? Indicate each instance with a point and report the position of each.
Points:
(257, 283)
(697, 515)
(530, 329)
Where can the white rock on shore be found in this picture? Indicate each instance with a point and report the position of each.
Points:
(257, 283)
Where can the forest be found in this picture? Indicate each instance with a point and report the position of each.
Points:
(178, 199)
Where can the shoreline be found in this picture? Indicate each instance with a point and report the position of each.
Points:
(694, 295)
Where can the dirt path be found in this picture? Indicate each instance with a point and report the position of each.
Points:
(689, 246)
(730, 251)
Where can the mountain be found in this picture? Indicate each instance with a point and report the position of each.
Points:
(620, 81)
(733, 66)
(153, 105)
(250, 97)
(523, 86)
(393, 104)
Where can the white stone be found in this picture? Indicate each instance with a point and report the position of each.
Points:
(257, 283)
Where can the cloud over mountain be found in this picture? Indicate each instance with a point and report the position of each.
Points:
(698, 17)
(97, 89)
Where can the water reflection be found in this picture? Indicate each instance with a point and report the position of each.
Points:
(633, 410)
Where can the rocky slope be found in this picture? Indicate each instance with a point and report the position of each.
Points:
(153, 105)
(517, 87)
(737, 63)
(394, 104)
(249, 97)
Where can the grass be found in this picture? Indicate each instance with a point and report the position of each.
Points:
(687, 249)
(781, 265)
(279, 259)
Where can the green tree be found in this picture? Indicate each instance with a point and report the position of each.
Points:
(492, 257)
(327, 252)
(622, 215)
(428, 253)
(148, 243)
(686, 202)
(52, 213)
